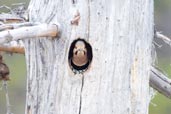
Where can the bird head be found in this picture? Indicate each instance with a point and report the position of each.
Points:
(79, 49)
(80, 55)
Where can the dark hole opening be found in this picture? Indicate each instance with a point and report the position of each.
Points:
(80, 55)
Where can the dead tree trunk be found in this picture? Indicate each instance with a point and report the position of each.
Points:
(117, 82)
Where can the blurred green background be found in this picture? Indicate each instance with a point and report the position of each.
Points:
(17, 87)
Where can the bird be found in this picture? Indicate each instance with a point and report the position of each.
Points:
(4, 76)
(80, 55)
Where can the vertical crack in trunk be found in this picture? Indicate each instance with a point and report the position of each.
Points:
(81, 94)
(88, 29)
(74, 1)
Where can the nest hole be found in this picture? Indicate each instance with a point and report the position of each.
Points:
(80, 55)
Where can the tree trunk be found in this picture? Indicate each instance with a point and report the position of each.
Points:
(117, 81)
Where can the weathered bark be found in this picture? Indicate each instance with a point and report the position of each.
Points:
(43, 30)
(12, 49)
(160, 82)
(117, 81)
(166, 39)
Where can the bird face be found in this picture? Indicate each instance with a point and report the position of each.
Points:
(80, 49)
(79, 54)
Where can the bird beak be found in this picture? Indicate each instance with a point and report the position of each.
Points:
(80, 51)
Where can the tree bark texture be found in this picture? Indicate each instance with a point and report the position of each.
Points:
(117, 81)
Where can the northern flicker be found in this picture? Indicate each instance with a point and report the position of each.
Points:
(80, 55)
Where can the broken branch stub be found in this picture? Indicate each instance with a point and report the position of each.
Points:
(13, 49)
(42, 30)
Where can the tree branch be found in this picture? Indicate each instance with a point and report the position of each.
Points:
(10, 18)
(160, 82)
(42, 30)
(13, 49)
(15, 25)
(166, 39)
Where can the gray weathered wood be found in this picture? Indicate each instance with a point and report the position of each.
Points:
(10, 18)
(160, 82)
(117, 81)
(12, 49)
(15, 25)
(166, 39)
(42, 30)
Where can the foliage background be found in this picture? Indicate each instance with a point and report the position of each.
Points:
(16, 63)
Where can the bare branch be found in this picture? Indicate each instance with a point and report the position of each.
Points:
(17, 4)
(15, 25)
(6, 7)
(160, 82)
(42, 30)
(166, 39)
(17, 13)
(10, 18)
(13, 49)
